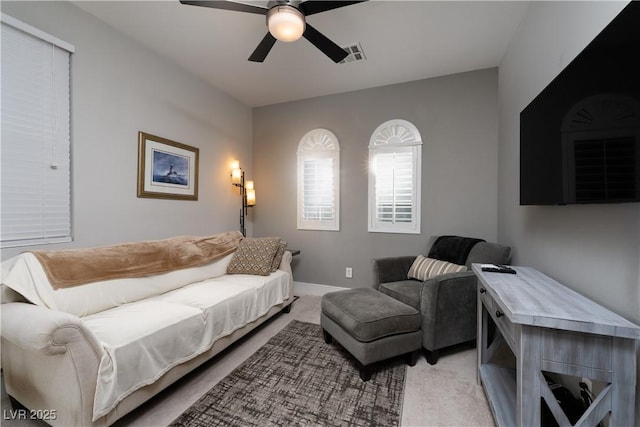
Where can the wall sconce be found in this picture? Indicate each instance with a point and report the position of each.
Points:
(247, 192)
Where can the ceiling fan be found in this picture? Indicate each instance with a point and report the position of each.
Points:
(286, 22)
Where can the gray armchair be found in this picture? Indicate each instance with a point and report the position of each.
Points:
(447, 303)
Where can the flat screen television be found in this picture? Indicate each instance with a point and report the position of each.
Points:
(580, 137)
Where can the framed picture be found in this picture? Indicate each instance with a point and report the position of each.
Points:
(166, 169)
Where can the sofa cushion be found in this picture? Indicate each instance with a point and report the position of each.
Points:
(229, 302)
(368, 315)
(25, 275)
(255, 256)
(139, 337)
(407, 291)
(424, 268)
(142, 341)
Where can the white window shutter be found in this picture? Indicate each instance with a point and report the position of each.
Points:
(318, 190)
(319, 181)
(394, 193)
(403, 169)
(35, 155)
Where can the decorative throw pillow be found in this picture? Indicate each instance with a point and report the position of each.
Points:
(424, 268)
(254, 256)
(277, 259)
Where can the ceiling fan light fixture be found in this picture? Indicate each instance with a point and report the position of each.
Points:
(285, 23)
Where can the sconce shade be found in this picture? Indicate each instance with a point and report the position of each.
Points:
(236, 173)
(286, 23)
(251, 194)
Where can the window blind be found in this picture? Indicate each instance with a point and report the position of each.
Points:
(35, 153)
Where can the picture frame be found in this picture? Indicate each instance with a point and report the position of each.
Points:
(166, 169)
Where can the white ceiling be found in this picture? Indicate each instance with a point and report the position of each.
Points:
(402, 40)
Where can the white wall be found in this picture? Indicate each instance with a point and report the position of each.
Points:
(119, 88)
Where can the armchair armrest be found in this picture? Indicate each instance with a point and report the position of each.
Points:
(35, 328)
(391, 269)
(448, 308)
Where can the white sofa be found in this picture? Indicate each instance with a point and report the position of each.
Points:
(88, 354)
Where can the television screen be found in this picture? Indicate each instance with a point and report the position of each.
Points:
(580, 137)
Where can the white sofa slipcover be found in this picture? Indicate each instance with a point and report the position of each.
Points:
(85, 362)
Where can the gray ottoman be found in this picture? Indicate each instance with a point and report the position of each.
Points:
(371, 326)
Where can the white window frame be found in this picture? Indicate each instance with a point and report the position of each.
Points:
(395, 136)
(316, 145)
(37, 209)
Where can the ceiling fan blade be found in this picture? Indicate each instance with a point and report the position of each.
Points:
(263, 48)
(329, 48)
(310, 7)
(228, 5)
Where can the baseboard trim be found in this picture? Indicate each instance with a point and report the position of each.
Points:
(302, 288)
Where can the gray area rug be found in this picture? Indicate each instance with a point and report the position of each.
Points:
(298, 379)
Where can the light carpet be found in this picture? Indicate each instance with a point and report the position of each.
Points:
(298, 379)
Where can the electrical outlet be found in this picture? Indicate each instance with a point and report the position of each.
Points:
(349, 273)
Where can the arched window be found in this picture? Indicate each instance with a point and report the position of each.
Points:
(319, 181)
(395, 158)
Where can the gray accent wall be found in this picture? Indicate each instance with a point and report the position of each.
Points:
(457, 119)
(594, 249)
(119, 88)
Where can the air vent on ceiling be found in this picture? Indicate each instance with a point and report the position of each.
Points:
(355, 53)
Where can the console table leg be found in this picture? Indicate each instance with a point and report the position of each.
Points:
(623, 382)
(481, 338)
(528, 379)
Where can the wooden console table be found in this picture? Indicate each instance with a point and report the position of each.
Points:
(551, 328)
